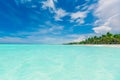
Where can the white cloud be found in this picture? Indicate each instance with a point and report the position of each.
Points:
(82, 12)
(52, 30)
(59, 14)
(78, 17)
(53, 40)
(83, 6)
(11, 40)
(34, 39)
(48, 28)
(108, 14)
(48, 4)
(33, 6)
(53, 27)
(102, 29)
(77, 7)
(91, 7)
(37, 37)
(80, 21)
(80, 38)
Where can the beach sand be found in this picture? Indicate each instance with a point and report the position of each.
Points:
(100, 45)
(104, 45)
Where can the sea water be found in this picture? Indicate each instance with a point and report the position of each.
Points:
(58, 62)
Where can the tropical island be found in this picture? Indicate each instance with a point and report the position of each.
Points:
(108, 38)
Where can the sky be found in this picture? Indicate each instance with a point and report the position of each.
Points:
(57, 21)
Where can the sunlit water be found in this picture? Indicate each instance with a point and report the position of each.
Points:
(59, 62)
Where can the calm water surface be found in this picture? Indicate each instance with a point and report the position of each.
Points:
(59, 62)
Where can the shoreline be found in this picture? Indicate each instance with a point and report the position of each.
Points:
(101, 45)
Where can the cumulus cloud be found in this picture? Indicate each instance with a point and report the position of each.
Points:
(59, 14)
(102, 29)
(108, 14)
(78, 17)
(48, 4)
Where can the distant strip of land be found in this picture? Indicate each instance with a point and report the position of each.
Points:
(107, 39)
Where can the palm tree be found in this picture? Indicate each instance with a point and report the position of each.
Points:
(108, 38)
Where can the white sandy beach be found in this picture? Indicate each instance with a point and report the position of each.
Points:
(105, 45)
(101, 45)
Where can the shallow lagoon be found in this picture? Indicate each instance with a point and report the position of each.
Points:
(59, 62)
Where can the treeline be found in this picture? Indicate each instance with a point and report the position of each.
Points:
(108, 38)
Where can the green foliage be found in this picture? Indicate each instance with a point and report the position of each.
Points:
(108, 38)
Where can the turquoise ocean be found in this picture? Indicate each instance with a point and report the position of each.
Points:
(58, 62)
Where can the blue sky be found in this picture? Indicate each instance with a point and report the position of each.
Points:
(56, 21)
